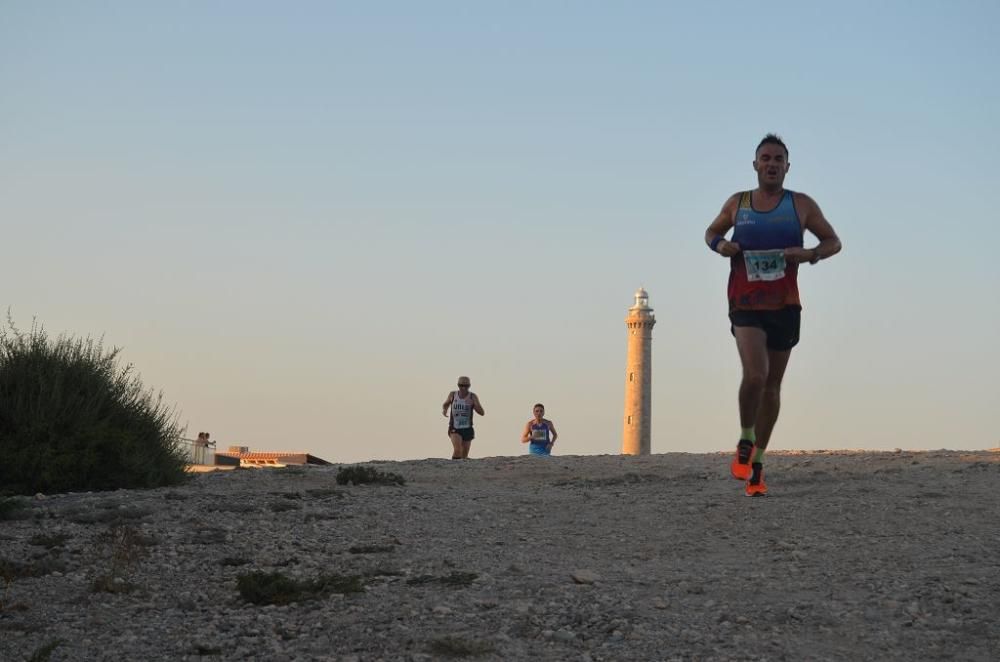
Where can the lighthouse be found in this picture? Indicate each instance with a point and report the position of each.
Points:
(638, 376)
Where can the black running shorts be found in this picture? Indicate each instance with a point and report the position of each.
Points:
(781, 326)
(467, 434)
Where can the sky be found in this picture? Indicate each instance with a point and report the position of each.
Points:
(302, 221)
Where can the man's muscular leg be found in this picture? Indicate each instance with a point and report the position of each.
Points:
(770, 402)
(751, 342)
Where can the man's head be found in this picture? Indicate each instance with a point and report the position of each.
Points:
(771, 162)
(539, 410)
(464, 383)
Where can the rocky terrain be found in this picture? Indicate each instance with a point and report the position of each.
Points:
(853, 556)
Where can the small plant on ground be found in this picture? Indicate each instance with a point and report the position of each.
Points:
(275, 588)
(109, 514)
(459, 647)
(334, 583)
(287, 495)
(358, 475)
(42, 653)
(324, 492)
(324, 515)
(209, 536)
(454, 579)
(203, 649)
(12, 570)
(49, 541)
(12, 508)
(284, 506)
(233, 561)
(269, 588)
(370, 549)
(383, 572)
(125, 546)
(39, 567)
(4, 588)
(232, 507)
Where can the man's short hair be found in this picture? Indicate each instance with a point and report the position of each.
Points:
(538, 404)
(772, 139)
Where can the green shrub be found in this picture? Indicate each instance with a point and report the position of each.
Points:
(458, 647)
(456, 578)
(42, 653)
(370, 549)
(357, 475)
(38, 567)
(275, 588)
(230, 561)
(324, 492)
(12, 508)
(72, 419)
(49, 541)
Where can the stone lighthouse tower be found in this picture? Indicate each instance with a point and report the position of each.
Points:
(638, 376)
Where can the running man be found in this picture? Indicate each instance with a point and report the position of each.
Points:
(539, 433)
(764, 254)
(462, 403)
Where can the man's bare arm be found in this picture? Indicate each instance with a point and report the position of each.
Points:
(475, 405)
(814, 221)
(721, 225)
(447, 403)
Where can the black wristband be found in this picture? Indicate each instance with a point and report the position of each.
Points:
(715, 242)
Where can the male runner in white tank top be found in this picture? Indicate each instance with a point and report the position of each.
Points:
(462, 403)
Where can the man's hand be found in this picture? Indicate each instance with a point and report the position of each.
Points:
(796, 255)
(728, 248)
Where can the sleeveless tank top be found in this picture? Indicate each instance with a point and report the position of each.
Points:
(540, 433)
(759, 277)
(461, 412)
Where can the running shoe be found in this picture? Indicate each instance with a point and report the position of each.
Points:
(755, 485)
(740, 467)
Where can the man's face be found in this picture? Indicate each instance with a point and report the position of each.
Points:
(771, 165)
(539, 412)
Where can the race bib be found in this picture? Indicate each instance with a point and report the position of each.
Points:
(538, 435)
(765, 265)
(461, 415)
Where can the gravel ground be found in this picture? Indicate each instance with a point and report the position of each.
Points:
(853, 556)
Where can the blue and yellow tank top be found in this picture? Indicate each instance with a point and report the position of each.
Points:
(759, 277)
(540, 433)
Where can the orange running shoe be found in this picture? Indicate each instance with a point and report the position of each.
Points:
(755, 485)
(740, 468)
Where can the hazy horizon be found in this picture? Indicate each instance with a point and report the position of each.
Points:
(303, 222)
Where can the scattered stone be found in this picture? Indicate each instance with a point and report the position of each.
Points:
(863, 567)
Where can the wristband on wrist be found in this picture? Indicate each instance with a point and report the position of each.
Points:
(716, 242)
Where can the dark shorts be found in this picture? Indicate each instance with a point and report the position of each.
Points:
(467, 434)
(780, 326)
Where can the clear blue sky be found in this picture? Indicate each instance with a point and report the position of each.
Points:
(302, 221)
